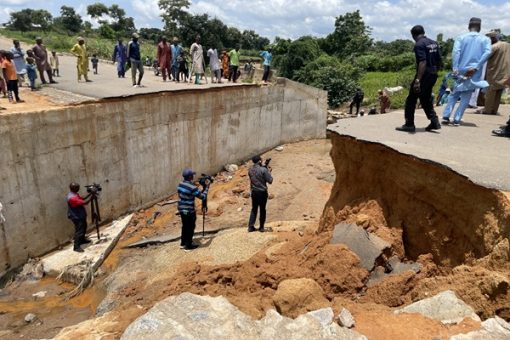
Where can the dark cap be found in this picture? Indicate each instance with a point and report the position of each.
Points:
(188, 172)
(475, 21)
(256, 159)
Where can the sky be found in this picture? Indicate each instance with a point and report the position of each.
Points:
(389, 19)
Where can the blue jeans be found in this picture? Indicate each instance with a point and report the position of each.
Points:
(464, 96)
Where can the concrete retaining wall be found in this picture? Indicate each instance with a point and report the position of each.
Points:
(136, 147)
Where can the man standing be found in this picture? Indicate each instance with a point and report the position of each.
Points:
(164, 56)
(82, 63)
(259, 177)
(498, 71)
(19, 61)
(428, 61)
(214, 64)
(176, 52)
(357, 100)
(197, 56)
(41, 60)
(470, 52)
(135, 59)
(119, 56)
(76, 212)
(268, 58)
(187, 193)
(234, 64)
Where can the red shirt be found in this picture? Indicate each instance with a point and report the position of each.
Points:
(75, 200)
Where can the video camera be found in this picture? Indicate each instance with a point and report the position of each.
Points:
(94, 189)
(266, 162)
(204, 178)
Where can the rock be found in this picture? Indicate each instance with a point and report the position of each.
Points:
(279, 148)
(345, 319)
(271, 196)
(492, 329)
(39, 295)
(190, 316)
(32, 270)
(30, 317)
(231, 167)
(240, 209)
(296, 296)
(246, 194)
(237, 190)
(445, 307)
(367, 246)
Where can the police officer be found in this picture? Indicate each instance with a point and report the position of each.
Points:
(259, 177)
(188, 191)
(78, 215)
(428, 62)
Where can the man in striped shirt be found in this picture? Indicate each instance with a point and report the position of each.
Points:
(188, 191)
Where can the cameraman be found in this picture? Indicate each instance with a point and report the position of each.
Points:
(188, 191)
(259, 177)
(76, 212)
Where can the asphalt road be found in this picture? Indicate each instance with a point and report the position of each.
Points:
(469, 149)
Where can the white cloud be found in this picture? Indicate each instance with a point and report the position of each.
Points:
(14, 2)
(146, 9)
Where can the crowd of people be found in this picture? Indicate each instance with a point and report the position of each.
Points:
(172, 62)
(480, 67)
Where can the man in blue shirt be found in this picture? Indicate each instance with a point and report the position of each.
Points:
(188, 191)
(268, 58)
(428, 62)
(470, 52)
(176, 52)
(135, 59)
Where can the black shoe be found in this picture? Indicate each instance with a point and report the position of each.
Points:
(251, 229)
(406, 128)
(445, 121)
(501, 133)
(53, 82)
(190, 247)
(433, 126)
(86, 240)
(78, 250)
(262, 230)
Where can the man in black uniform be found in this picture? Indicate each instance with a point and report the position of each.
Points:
(259, 177)
(357, 100)
(428, 62)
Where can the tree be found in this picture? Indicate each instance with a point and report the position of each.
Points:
(174, 11)
(299, 53)
(350, 38)
(69, 19)
(28, 19)
(97, 10)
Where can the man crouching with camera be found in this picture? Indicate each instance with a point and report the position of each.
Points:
(260, 175)
(76, 212)
(188, 191)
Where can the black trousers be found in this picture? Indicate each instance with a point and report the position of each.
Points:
(426, 85)
(258, 201)
(12, 85)
(80, 229)
(188, 228)
(233, 73)
(357, 103)
(267, 69)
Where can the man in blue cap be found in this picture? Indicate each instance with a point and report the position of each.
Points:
(188, 191)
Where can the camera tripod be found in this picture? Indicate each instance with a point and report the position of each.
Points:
(96, 216)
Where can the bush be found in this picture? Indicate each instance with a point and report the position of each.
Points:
(328, 73)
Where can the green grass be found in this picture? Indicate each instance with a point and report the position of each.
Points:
(374, 81)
